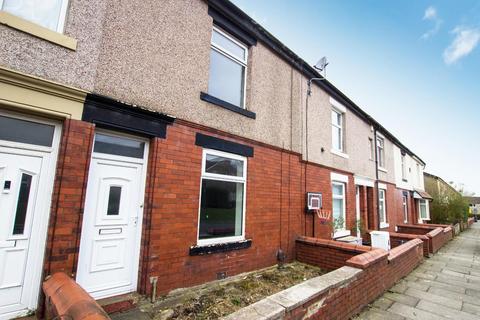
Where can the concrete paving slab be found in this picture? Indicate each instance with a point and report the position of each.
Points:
(443, 311)
(411, 312)
(445, 286)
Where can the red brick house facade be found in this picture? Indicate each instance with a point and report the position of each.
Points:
(189, 187)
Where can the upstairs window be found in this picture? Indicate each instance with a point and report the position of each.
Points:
(371, 149)
(46, 13)
(337, 130)
(228, 68)
(381, 152)
(404, 168)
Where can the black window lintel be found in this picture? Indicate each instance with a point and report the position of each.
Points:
(215, 143)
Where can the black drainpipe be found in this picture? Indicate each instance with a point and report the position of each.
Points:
(376, 176)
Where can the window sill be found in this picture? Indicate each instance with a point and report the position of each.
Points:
(339, 153)
(341, 233)
(382, 169)
(201, 250)
(384, 225)
(37, 30)
(227, 105)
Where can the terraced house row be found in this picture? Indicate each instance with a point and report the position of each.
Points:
(150, 144)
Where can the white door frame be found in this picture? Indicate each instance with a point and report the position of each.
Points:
(138, 235)
(38, 235)
(357, 208)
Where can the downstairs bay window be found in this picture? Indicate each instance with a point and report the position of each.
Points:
(338, 209)
(423, 210)
(222, 198)
(382, 209)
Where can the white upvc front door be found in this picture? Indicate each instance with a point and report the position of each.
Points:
(28, 153)
(111, 229)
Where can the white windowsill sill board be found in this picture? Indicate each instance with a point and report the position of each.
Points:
(341, 233)
(339, 153)
(382, 169)
(384, 225)
(37, 30)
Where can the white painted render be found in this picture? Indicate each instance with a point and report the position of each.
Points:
(414, 171)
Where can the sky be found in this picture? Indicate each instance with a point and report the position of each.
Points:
(412, 65)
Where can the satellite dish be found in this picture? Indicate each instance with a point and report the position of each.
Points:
(321, 64)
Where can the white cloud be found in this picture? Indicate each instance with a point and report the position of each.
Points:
(466, 39)
(431, 15)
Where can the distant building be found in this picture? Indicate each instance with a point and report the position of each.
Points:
(473, 204)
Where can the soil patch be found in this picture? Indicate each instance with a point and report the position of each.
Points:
(225, 297)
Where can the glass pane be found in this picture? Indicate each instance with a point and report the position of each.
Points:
(226, 79)
(222, 165)
(381, 209)
(381, 194)
(337, 189)
(23, 131)
(336, 138)
(43, 12)
(337, 208)
(118, 146)
(227, 44)
(336, 118)
(22, 204)
(114, 201)
(221, 213)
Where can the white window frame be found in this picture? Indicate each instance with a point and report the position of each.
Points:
(427, 211)
(233, 57)
(405, 208)
(382, 216)
(380, 152)
(61, 18)
(340, 127)
(221, 177)
(371, 148)
(343, 231)
(404, 166)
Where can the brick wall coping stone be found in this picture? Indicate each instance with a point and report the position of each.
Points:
(404, 248)
(408, 236)
(277, 305)
(434, 232)
(344, 246)
(418, 226)
(365, 260)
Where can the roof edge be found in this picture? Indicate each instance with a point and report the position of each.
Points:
(244, 21)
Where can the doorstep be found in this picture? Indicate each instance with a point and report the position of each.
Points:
(121, 303)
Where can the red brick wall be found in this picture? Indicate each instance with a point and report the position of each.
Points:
(275, 205)
(380, 270)
(327, 254)
(68, 197)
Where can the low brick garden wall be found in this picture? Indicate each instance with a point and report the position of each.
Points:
(470, 221)
(342, 292)
(397, 239)
(333, 254)
(438, 236)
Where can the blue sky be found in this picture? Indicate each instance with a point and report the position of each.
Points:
(413, 65)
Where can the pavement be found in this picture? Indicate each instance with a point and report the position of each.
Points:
(445, 286)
